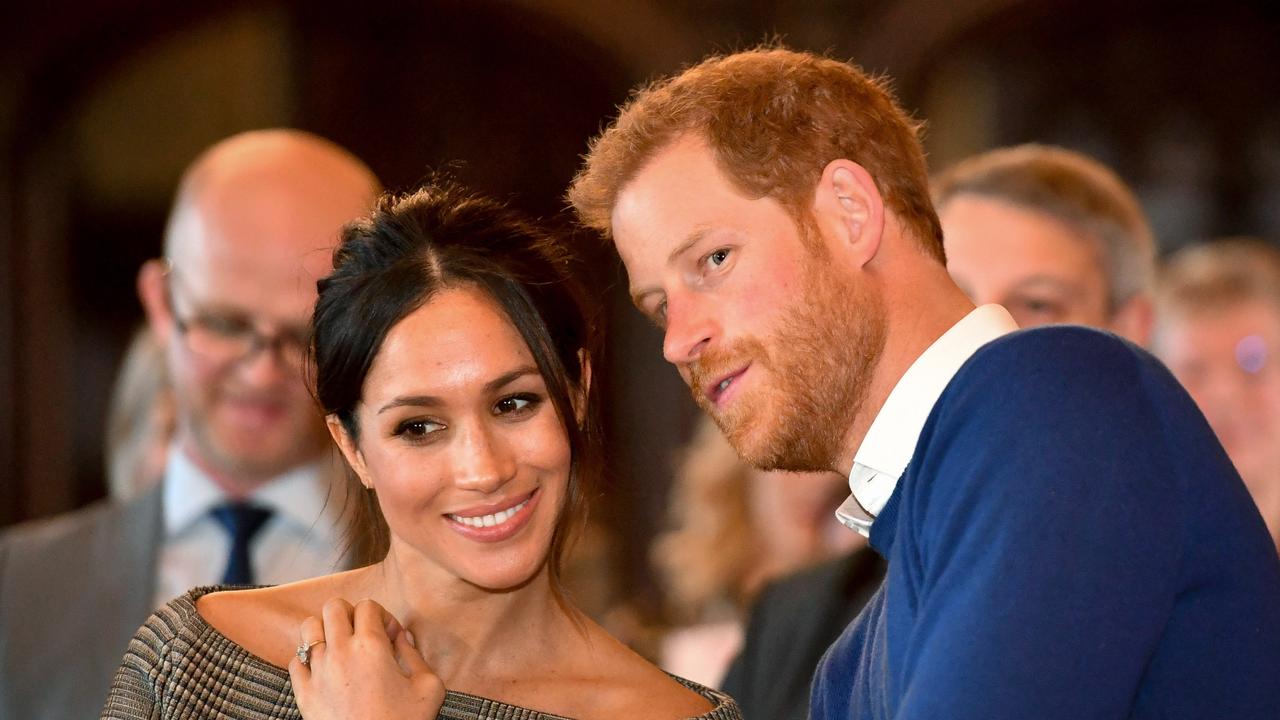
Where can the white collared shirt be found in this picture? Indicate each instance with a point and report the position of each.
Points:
(891, 440)
(301, 539)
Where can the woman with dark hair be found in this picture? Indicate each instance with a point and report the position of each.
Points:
(452, 357)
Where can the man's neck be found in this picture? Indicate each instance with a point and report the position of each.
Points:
(919, 308)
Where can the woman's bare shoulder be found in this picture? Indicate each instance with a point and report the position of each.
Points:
(265, 620)
(634, 687)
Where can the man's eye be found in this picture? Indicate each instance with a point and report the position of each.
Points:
(1042, 308)
(658, 316)
(224, 325)
(717, 257)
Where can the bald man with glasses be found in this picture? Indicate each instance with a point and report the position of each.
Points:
(249, 493)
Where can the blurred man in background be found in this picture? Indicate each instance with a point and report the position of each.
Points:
(1050, 234)
(1053, 236)
(1218, 330)
(248, 492)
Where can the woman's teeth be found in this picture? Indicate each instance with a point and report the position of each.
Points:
(490, 520)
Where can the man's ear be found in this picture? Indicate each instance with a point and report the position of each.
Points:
(1133, 319)
(153, 292)
(849, 211)
(347, 445)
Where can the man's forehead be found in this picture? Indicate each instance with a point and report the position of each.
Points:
(265, 263)
(677, 194)
(258, 231)
(270, 286)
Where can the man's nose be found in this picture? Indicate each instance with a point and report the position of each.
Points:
(267, 365)
(691, 328)
(482, 461)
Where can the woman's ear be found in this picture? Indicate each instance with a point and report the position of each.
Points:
(347, 445)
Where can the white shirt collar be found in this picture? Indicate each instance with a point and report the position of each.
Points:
(299, 496)
(891, 440)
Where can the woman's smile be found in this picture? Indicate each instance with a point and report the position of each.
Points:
(486, 524)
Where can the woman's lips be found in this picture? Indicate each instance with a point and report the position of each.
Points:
(495, 522)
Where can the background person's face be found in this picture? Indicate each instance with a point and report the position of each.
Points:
(251, 234)
(249, 418)
(1040, 270)
(1229, 360)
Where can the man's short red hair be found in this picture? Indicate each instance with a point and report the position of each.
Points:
(774, 119)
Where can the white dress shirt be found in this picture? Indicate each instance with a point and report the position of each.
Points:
(301, 539)
(891, 440)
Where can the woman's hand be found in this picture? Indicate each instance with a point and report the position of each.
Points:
(363, 666)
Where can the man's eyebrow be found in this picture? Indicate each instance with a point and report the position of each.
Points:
(695, 237)
(431, 400)
(1036, 281)
(221, 310)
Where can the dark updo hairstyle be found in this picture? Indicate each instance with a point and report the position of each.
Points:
(442, 237)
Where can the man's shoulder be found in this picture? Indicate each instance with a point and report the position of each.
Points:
(1064, 391)
(1057, 367)
(77, 527)
(105, 537)
(69, 528)
(1060, 346)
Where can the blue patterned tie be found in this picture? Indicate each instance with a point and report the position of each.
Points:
(242, 521)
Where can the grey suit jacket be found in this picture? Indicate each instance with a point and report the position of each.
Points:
(73, 590)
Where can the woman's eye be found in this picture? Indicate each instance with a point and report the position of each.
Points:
(515, 404)
(417, 428)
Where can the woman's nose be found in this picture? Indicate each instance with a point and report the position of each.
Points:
(482, 461)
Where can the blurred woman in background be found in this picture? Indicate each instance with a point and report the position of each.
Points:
(140, 419)
(734, 528)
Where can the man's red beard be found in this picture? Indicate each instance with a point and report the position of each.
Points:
(808, 381)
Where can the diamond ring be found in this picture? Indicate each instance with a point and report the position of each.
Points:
(304, 651)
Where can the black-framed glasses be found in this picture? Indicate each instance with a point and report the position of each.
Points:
(230, 337)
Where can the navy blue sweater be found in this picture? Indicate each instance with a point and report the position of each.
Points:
(1068, 541)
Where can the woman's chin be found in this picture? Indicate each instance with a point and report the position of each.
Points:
(503, 582)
